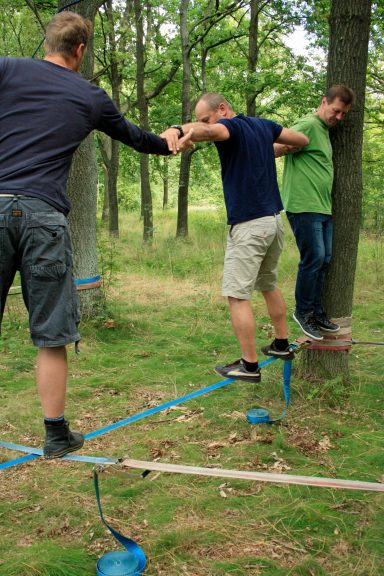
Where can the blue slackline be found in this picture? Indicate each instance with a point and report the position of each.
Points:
(33, 453)
(36, 453)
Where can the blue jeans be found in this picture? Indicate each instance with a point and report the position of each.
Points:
(313, 233)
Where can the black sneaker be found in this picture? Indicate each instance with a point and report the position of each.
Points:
(238, 371)
(325, 324)
(308, 325)
(271, 350)
(59, 440)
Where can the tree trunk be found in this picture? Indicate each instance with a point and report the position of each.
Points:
(142, 102)
(185, 164)
(182, 212)
(113, 205)
(253, 55)
(105, 148)
(113, 168)
(82, 191)
(165, 183)
(347, 64)
(105, 209)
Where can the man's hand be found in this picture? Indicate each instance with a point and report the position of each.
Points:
(185, 143)
(176, 144)
(171, 135)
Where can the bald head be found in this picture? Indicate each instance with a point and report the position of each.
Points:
(211, 107)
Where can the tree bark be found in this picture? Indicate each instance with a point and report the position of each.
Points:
(113, 166)
(165, 183)
(142, 103)
(82, 191)
(185, 163)
(253, 55)
(347, 64)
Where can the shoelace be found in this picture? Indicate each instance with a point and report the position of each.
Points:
(311, 321)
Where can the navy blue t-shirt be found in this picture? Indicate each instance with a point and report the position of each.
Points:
(248, 168)
(46, 111)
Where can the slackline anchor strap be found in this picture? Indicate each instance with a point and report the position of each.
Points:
(128, 562)
(88, 283)
(261, 415)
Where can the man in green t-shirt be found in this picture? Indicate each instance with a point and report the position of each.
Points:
(306, 195)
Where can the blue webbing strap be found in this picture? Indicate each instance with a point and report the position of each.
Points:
(157, 409)
(87, 280)
(129, 545)
(17, 461)
(261, 415)
(33, 453)
(162, 407)
(134, 418)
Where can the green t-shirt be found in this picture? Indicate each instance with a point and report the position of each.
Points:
(308, 174)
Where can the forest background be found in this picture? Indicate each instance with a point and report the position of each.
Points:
(159, 239)
(239, 48)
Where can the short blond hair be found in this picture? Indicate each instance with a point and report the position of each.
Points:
(65, 32)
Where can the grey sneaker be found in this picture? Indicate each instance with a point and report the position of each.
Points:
(238, 371)
(271, 350)
(325, 324)
(59, 440)
(308, 325)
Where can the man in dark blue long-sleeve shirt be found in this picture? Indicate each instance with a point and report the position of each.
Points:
(46, 110)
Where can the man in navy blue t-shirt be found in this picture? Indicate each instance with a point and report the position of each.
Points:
(46, 111)
(255, 239)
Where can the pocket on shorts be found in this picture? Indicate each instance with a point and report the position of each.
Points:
(49, 244)
(240, 234)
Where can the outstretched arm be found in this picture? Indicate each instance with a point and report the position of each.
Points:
(195, 132)
(289, 142)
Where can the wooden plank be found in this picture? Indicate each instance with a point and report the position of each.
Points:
(255, 476)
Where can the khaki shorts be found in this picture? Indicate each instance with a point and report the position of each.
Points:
(251, 257)
(34, 239)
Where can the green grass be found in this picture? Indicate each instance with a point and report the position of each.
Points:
(166, 327)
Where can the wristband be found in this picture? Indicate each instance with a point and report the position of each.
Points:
(179, 128)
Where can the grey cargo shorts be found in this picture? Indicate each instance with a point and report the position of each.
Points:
(34, 239)
(251, 257)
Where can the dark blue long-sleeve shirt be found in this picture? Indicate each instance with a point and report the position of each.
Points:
(46, 111)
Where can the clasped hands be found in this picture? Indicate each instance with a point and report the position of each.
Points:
(176, 144)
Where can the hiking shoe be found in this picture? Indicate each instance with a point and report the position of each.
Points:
(271, 350)
(59, 440)
(308, 325)
(325, 324)
(238, 371)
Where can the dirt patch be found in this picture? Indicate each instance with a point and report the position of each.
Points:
(304, 440)
(159, 290)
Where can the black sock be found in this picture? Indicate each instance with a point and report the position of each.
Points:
(59, 421)
(251, 366)
(281, 344)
